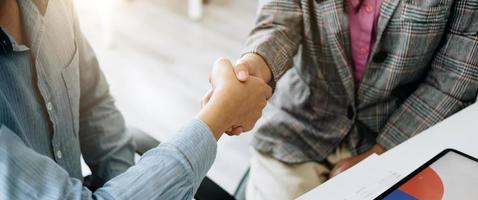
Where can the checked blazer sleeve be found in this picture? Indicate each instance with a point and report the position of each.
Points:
(450, 85)
(277, 34)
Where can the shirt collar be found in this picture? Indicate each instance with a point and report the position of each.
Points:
(9, 44)
(6, 45)
(33, 15)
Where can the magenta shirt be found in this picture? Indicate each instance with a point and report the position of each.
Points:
(363, 25)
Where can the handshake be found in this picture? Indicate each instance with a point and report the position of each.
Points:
(237, 96)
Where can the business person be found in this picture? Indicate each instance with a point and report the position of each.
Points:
(369, 75)
(55, 105)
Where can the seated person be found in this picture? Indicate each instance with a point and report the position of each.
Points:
(55, 105)
(369, 75)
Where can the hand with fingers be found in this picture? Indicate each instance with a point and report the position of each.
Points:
(232, 103)
(250, 66)
(347, 163)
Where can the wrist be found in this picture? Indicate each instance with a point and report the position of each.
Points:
(214, 116)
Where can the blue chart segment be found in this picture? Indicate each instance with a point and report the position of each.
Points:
(399, 195)
(426, 185)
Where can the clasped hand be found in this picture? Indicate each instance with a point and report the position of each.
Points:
(233, 105)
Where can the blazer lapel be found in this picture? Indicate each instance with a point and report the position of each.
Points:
(338, 37)
(386, 11)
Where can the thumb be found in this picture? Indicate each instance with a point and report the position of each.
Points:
(242, 71)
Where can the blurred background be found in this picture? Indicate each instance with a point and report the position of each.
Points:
(157, 54)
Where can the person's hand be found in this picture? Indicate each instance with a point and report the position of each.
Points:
(252, 65)
(345, 164)
(233, 103)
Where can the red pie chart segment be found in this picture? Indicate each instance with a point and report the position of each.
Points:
(427, 185)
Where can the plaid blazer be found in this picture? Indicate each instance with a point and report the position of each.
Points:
(423, 68)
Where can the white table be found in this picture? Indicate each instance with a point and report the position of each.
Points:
(459, 131)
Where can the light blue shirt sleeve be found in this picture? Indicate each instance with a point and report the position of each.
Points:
(173, 170)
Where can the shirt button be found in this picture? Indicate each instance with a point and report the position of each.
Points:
(49, 106)
(380, 57)
(368, 8)
(350, 112)
(363, 50)
(59, 154)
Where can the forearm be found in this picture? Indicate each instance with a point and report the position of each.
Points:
(25, 174)
(277, 35)
(173, 170)
(450, 84)
(426, 107)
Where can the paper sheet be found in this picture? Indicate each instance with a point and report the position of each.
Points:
(370, 179)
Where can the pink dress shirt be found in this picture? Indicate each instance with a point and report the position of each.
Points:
(363, 25)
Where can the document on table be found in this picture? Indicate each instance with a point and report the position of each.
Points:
(366, 180)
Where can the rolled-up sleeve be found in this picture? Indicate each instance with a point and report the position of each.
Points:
(173, 170)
